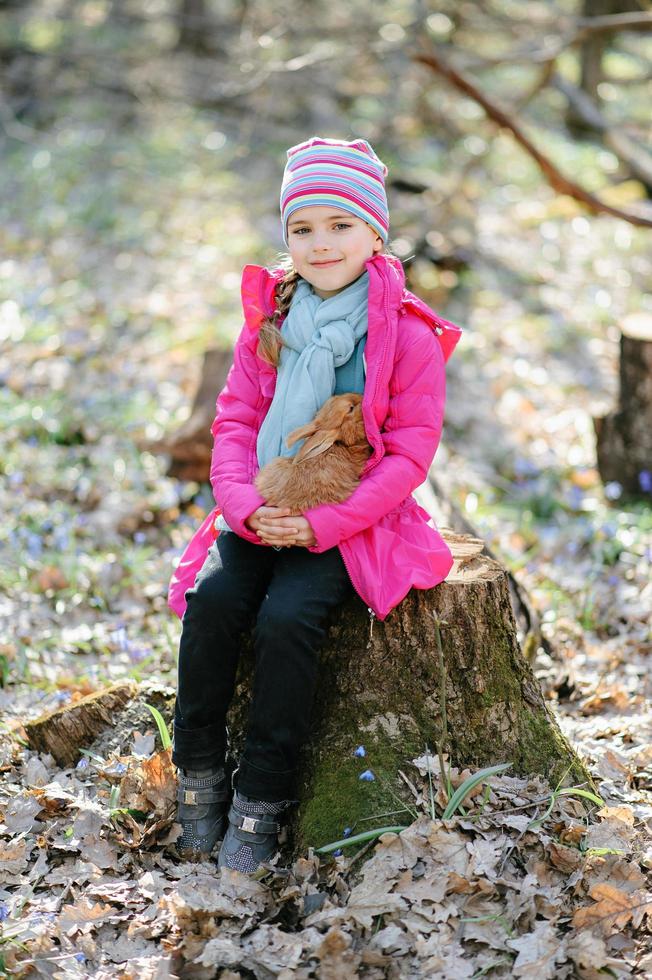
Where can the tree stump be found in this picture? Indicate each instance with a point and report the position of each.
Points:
(381, 687)
(624, 438)
(191, 446)
(105, 721)
(65, 730)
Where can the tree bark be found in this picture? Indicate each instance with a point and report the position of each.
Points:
(624, 437)
(380, 686)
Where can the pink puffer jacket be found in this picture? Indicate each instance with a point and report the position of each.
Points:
(388, 543)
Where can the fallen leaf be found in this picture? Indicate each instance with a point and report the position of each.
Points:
(613, 909)
(538, 952)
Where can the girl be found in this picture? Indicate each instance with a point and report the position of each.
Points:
(334, 317)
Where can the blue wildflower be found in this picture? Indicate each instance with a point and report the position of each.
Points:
(337, 853)
(360, 752)
(120, 638)
(524, 467)
(367, 776)
(34, 545)
(80, 957)
(61, 538)
(645, 481)
(613, 490)
(140, 537)
(4, 912)
(575, 497)
(136, 654)
(83, 763)
(613, 580)
(346, 832)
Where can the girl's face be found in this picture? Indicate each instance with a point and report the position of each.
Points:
(329, 247)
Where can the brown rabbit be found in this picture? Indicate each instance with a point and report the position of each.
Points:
(327, 468)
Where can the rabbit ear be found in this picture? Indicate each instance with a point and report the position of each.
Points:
(317, 444)
(301, 433)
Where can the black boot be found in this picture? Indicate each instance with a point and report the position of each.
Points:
(203, 800)
(251, 837)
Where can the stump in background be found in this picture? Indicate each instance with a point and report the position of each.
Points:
(64, 731)
(104, 721)
(624, 438)
(383, 691)
(191, 446)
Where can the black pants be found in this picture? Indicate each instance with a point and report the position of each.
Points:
(290, 593)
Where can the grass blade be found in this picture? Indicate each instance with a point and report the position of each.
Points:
(358, 839)
(463, 791)
(162, 727)
(573, 791)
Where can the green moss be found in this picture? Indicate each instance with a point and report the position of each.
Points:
(545, 750)
(338, 798)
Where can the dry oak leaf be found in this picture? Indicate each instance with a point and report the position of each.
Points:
(82, 916)
(572, 834)
(458, 885)
(336, 958)
(613, 909)
(151, 783)
(14, 857)
(564, 858)
(537, 952)
(586, 951)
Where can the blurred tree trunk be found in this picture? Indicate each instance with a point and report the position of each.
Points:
(591, 53)
(121, 13)
(193, 21)
(190, 447)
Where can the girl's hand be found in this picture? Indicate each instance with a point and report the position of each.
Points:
(280, 530)
(254, 521)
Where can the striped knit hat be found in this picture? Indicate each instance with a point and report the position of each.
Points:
(334, 172)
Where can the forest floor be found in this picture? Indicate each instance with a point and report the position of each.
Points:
(120, 259)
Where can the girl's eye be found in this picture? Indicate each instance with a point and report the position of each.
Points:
(340, 224)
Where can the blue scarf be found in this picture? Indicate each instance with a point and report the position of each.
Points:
(319, 336)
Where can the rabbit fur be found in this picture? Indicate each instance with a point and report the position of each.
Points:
(327, 468)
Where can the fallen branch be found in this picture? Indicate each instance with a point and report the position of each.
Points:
(559, 183)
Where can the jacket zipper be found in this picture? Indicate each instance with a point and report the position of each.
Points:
(342, 545)
(356, 586)
(382, 361)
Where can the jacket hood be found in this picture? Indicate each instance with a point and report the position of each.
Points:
(259, 282)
